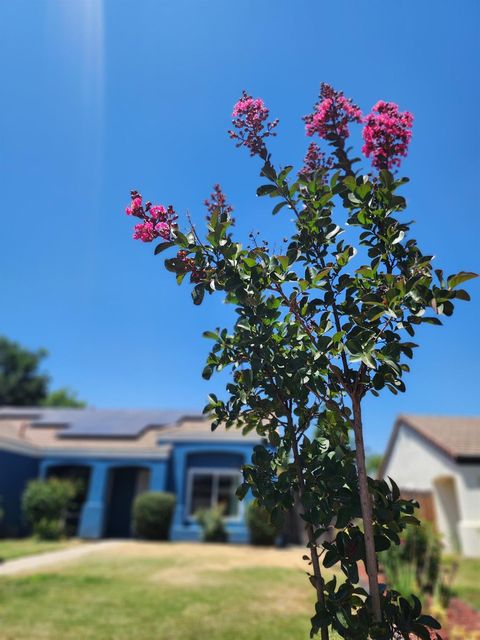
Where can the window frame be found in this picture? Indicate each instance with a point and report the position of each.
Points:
(216, 472)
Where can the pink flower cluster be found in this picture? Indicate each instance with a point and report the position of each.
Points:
(387, 134)
(332, 114)
(157, 221)
(249, 118)
(218, 202)
(315, 160)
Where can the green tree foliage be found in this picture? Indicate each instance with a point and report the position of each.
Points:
(320, 325)
(373, 463)
(63, 397)
(21, 382)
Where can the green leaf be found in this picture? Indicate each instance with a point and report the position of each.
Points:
(350, 183)
(162, 246)
(461, 294)
(198, 293)
(421, 632)
(267, 189)
(429, 320)
(242, 491)
(207, 373)
(463, 276)
(284, 173)
(331, 557)
(382, 543)
(399, 238)
(367, 359)
(210, 334)
(278, 207)
(428, 621)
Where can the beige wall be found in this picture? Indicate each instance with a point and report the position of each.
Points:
(416, 465)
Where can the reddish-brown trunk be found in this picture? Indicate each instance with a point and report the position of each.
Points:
(367, 516)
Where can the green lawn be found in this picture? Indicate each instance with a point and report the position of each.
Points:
(11, 549)
(467, 581)
(164, 592)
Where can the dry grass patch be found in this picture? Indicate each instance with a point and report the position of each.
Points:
(142, 591)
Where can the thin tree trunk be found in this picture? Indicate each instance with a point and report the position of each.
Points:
(367, 516)
(317, 572)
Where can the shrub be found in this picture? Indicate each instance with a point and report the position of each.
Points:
(213, 527)
(45, 504)
(262, 531)
(47, 529)
(418, 555)
(152, 515)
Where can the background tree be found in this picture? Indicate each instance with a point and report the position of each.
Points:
(23, 384)
(373, 463)
(319, 326)
(21, 381)
(63, 397)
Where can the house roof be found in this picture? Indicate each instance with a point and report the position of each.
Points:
(124, 431)
(97, 423)
(456, 436)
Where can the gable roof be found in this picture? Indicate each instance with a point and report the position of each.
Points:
(455, 436)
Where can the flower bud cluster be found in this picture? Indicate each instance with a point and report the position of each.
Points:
(188, 265)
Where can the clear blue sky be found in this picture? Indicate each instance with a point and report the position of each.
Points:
(102, 97)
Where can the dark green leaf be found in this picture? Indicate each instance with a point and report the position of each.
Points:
(267, 189)
(162, 246)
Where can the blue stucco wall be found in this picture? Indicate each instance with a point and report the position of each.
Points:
(95, 511)
(15, 471)
(165, 474)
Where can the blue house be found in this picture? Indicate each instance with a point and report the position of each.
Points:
(117, 454)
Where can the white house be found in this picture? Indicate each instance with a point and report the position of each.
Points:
(437, 461)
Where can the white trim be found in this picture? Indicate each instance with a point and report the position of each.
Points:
(216, 472)
(161, 454)
(16, 446)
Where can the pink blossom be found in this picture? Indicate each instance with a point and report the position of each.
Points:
(157, 221)
(249, 118)
(135, 204)
(163, 229)
(144, 231)
(157, 211)
(315, 160)
(332, 114)
(387, 134)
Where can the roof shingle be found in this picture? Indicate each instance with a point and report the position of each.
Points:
(458, 437)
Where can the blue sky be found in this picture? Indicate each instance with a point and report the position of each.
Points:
(100, 97)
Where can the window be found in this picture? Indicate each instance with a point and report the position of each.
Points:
(207, 488)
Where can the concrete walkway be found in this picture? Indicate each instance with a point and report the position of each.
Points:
(31, 564)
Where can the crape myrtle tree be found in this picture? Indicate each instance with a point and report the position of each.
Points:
(320, 325)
